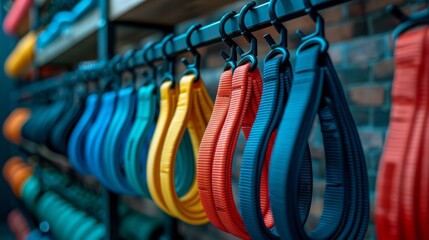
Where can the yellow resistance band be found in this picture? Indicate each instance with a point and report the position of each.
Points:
(169, 95)
(193, 112)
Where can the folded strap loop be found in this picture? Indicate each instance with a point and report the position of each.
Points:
(235, 111)
(276, 86)
(192, 112)
(135, 156)
(402, 184)
(316, 89)
(185, 165)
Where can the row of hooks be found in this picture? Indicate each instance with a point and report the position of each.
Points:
(133, 58)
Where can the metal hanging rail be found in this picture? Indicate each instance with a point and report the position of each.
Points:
(256, 19)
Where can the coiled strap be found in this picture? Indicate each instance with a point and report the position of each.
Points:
(135, 162)
(114, 144)
(193, 112)
(316, 88)
(185, 165)
(398, 212)
(276, 86)
(76, 146)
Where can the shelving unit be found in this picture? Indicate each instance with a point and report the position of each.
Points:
(138, 18)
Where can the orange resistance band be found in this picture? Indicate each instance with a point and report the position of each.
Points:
(235, 108)
(16, 172)
(13, 124)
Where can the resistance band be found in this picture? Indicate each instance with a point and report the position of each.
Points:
(61, 131)
(78, 137)
(402, 175)
(97, 136)
(13, 124)
(185, 164)
(20, 59)
(317, 89)
(113, 150)
(277, 82)
(193, 112)
(136, 147)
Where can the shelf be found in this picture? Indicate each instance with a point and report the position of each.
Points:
(79, 43)
(162, 12)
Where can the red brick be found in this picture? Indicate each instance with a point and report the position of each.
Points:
(356, 8)
(333, 14)
(336, 53)
(367, 95)
(384, 70)
(375, 5)
(371, 140)
(365, 51)
(346, 30)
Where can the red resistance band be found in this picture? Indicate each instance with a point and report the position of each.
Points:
(17, 19)
(403, 181)
(235, 108)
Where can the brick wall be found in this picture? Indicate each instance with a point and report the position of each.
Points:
(362, 50)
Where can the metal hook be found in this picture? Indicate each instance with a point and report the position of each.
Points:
(112, 66)
(128, 61)
(234, 48)
(279, 48)
(282, 30)
(249, 56)
(395, 11)
(195, 66)
(148, 47)
(317, 18)
(169, 60)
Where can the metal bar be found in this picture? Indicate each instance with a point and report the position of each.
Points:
(106, 45)
(256, 19)
(139, 25)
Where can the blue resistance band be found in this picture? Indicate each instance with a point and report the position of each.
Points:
(76, 146)
(317, 89)
(137, 145)
(97, 135)
(116, 135)
(277, 82)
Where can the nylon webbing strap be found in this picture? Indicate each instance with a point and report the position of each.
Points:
(239, 97)
(208, 148)
(96, 137)
(76, 146)
(402, 184)
(276, 86)
(317, 89)
(135, 162)
(185, 164)
(193, 112)
(114, 144)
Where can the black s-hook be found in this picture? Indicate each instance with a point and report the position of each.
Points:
(279, 48)
(231, 59)
(249, 56)
(195, 66)
(169, 60)
(318, 36)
